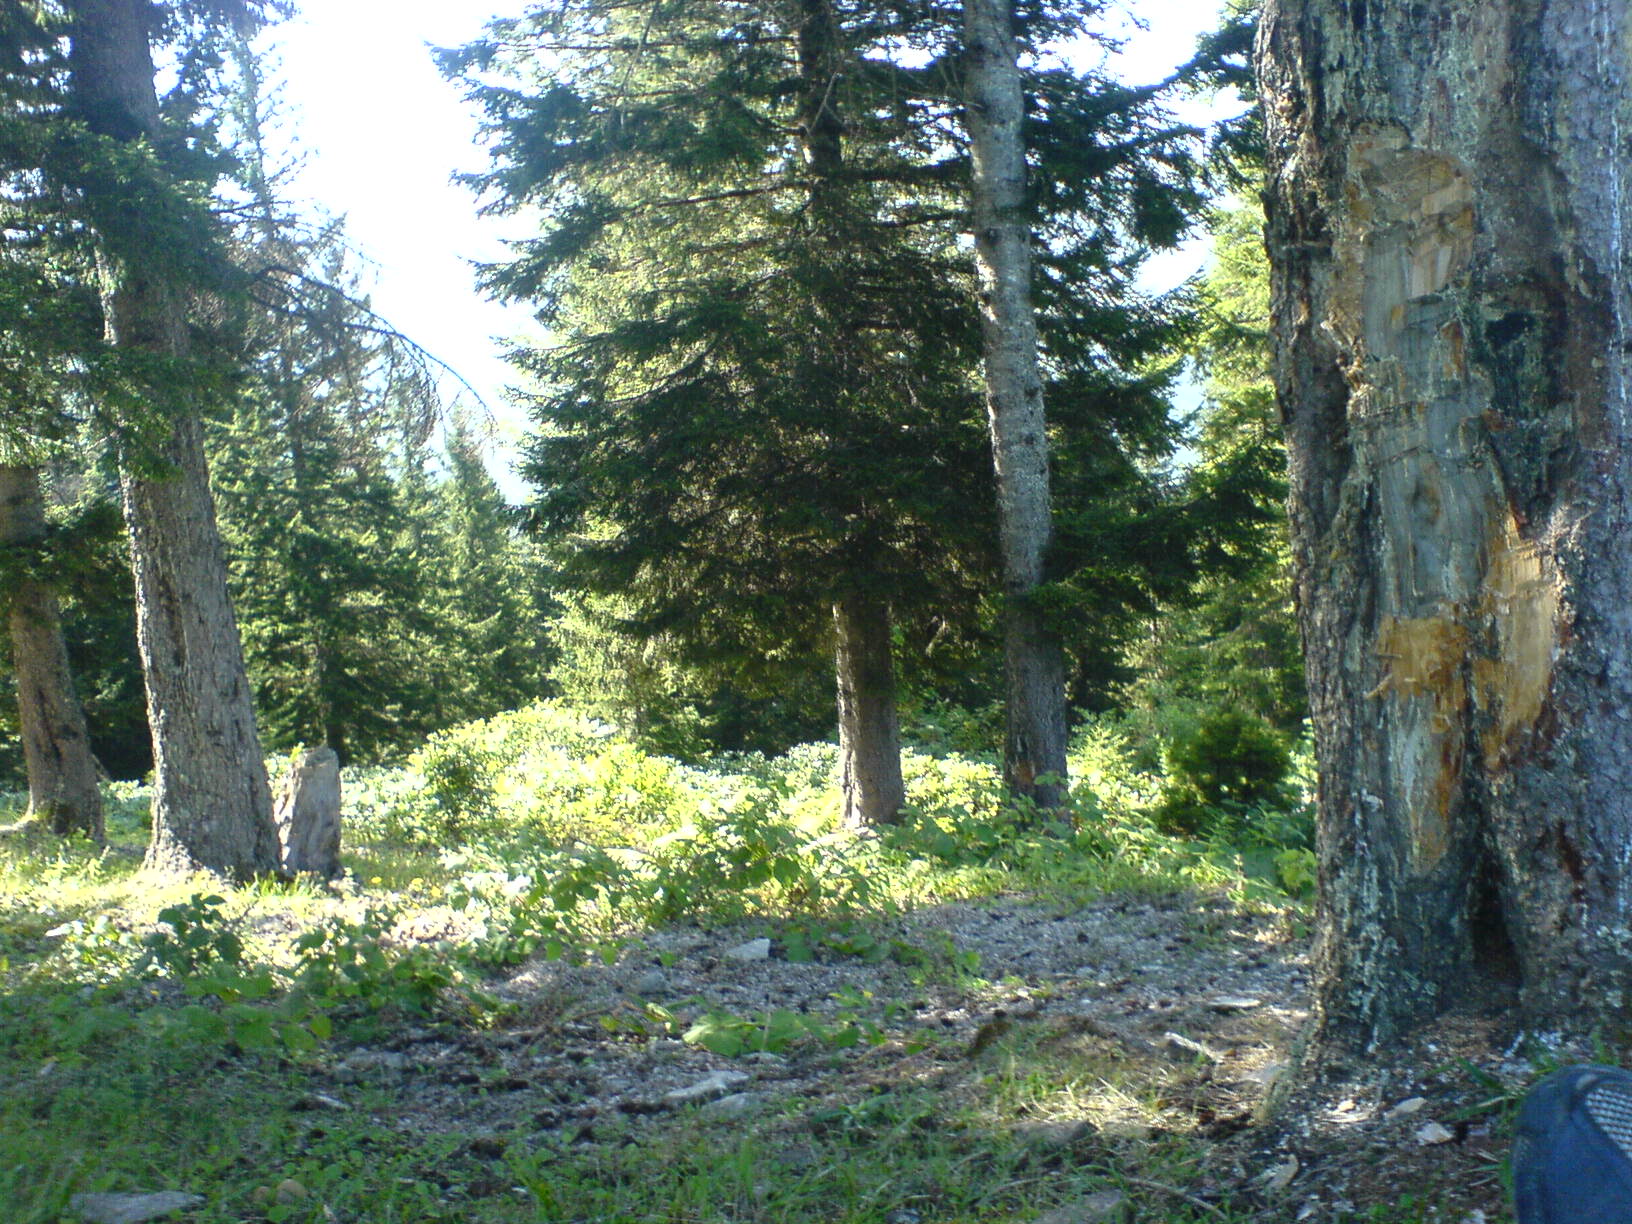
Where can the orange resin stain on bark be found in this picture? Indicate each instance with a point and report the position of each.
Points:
(1434, 660)
(1426, 659)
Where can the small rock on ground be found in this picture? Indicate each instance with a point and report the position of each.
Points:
(1103, 1208)
(652, 982)
(753, 950)
(716, 1085)
(734, 1106)
(132, 1208)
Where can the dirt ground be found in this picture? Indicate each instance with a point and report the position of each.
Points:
(1197, 1008)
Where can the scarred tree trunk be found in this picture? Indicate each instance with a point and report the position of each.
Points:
(62, 786)
(1034, 659)
(1447, 212)
(869, 726)
(212, 806)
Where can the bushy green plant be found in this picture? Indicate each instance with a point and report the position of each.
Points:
(352, 964)
(192, 936)
(1231, 761)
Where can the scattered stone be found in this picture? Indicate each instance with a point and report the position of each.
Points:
(1279, 1178)
(132, 1208)
(290, 1191)
(1348, 1112)
(1179, 1044)
(651, 983)
(1234, 1003)
(753, 950)
(307, 815)
(1432, 1134)
(1407, 1107)
(1106, 1207)
(319, 1100)
(734, 1106)
(716, 1085)
(797, 1156)
(1266, 1074)
(903, 1215)
(1474, 1217)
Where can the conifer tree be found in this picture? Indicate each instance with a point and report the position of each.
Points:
(1232, 641)
(1034, 657)
(758, 422)
(48, 316)
(330, 592)
(487, 582)
(763, 398)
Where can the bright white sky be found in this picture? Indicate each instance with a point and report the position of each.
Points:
(382, 133)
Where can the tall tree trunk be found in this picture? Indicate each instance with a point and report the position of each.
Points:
(869, 727)
(1447, 221)
(212, 806)
(864, 653)
(1034, 658)
(62, 787)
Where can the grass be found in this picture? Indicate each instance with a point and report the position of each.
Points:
(153, 1039)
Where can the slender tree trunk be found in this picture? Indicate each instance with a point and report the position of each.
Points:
(62, 786)
(864, 655)
(1448, 205)
(869, 727)
(212, 806)
(1034, 658)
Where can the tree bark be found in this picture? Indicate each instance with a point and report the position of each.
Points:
(869, 726)
(62, 784)
(1447, 211)
(212, 805)
(864, 653)
(1034, 658)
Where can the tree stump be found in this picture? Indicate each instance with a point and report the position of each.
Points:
(307, 815)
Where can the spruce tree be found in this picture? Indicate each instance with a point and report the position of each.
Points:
(487, 584)
(761, 401)
(1034, 658)
(757, 423)
(48, 318)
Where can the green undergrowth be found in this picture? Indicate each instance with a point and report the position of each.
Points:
(163, 1033)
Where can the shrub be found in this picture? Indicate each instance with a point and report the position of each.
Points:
(1232, 760)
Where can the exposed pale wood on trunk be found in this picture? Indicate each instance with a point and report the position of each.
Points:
(62, 783)
(1034, 659)
(1447, 211)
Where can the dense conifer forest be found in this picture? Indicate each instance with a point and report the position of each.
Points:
(940, 724)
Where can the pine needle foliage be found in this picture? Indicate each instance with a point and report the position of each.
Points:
(761, 385)
(758, 397)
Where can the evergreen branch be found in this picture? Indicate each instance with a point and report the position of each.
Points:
(375, 324)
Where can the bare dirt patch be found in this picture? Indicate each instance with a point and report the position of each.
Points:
(1177, 1014)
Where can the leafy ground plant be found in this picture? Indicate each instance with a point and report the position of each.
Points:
(230, 1040)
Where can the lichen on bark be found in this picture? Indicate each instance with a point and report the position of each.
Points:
(1448, 276)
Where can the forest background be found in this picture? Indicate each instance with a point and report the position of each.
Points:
(386, 591)
(587, 713)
